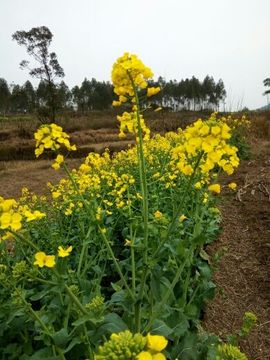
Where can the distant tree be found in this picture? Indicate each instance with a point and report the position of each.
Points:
(63, 96)
(220, 92)
(18, 99)
(4, 96)
(37, 42)
(266, 82)
(30, 96)
(76, 97)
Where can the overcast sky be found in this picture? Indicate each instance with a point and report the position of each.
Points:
(227, 39)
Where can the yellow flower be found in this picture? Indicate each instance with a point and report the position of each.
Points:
(127, 71)
(198, 185)
(64, 252)
(144, 355)
(232, 186)
(156, 342)
(58, 161)
(158, 214)
(51, 137)
(151, 91)
(128, 242)
(56, 194)
(6, 205)
(182, 218)
(214, 188)
(159, 356)
(12, 220)
(44, 260)
(36, 215)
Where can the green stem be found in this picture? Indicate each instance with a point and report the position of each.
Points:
(84, 247)
(38, 319)
(89, 348)
(109, 248)
(168, 293)
(76, 300)
(144, 190)
(194, 294)
(179, 209)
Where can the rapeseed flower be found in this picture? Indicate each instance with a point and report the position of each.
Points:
(151, 91)
(182, 218)
(51, 137)
(216, 188)
(64, 252)
(129, 71)
(158, 214)
(156, 342)
(58, 161)
(11, 220)
(232, 186)
(44, 260)
(36, 215)
(123, 345)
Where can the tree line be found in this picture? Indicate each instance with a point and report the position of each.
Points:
(188, 94)
(52, 95)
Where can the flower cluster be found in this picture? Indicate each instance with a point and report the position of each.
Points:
(129, 123)
(207, 140)
(10, 217)
(129, 77)
(52, 137)
(154, 347)
(126, 345)
(12, 214)
(129, 72)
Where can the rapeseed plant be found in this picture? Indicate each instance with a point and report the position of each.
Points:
(131, 228)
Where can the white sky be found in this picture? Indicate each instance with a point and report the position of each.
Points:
(226, 39)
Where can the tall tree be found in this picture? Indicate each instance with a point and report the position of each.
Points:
(37, 42)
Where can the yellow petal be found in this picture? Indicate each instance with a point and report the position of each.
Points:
(50, 261)
(156, 342)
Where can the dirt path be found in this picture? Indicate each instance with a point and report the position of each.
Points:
(243, 275)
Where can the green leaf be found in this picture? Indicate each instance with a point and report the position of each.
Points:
(61, 338)
(85, 318)
(181, 328)
(159, 327)
(74, 341)
(204, 256)
(39, 295)
(112, 324)
(192, 311)
(205, 270)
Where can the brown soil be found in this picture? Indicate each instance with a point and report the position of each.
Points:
(14, 175)
(243, 274)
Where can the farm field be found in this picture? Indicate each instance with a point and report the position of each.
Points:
(240, 256)
(135, 186)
